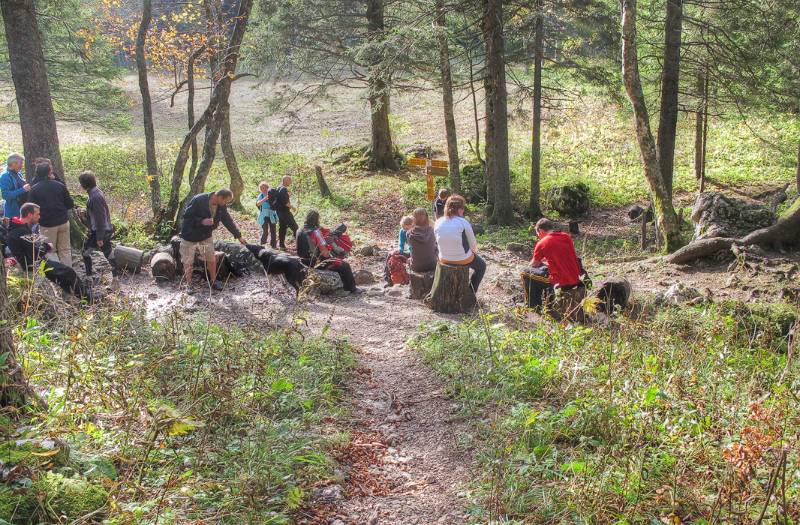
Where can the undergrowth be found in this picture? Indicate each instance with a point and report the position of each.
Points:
(690, 416)
(190, 421)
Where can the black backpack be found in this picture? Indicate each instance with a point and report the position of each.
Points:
(272, 198)
(305, 248)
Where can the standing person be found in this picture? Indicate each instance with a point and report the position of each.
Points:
(267, 217)
(100, 227)
(438, 204)
(203, 215)
(283, 206)
(315, 252)
(13, 187)
(55, 202)
(556, 249)
(30, 252)
(456, 240)
(423, 243)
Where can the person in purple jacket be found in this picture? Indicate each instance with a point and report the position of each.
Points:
(100, 227)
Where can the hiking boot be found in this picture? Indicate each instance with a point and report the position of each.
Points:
(217, 285)
(357, 291)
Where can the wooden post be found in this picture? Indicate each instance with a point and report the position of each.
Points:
(451, 292)
(324, 190)
(644, 229)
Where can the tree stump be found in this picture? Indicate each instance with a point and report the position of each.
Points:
(163, 267)
(128, 259)
(451, 292)
(421, 284)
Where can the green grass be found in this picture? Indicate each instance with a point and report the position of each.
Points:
(636, 423)
(203, 422)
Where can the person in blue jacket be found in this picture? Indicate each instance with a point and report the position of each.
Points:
(13, 187)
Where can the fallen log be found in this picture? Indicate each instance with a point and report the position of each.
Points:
(127, 259)
(698, 249)
(163, 267)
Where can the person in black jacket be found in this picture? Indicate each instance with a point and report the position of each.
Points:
(30, 252)
(100, 227)
(203, 215)
(283, 206)
(55, 202)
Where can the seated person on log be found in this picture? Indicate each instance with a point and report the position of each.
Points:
(203, 215)
(456, 240)
(556, 249)
(30, 251)
(394, 271)
(422, 241)
(315, 252)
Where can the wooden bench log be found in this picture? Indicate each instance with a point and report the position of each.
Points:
(421, 284)
(127, 259)
(163, 267)
(451, 292)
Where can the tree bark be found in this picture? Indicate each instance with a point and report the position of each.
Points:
(447, 98)
(324, 190)
(797, 168)
(662, 202)
(475, 109)
(147, 110)
(381, 155)
(451, 292)
(237, 184)
(502, 212)
(670, 77)
(488, 139)
(190, 91)
(29, 73)
(14, 390)
(698, 127)
(534, 207)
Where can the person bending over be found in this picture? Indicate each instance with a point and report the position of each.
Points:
(30, 252)
(283, 206)
(456, 240)
(203, 215)
(100, 227)
(55, 202)
(423, 243)
(315, 252)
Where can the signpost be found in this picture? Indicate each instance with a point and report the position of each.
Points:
(432, 167)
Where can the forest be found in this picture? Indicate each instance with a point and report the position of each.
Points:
(400, 262)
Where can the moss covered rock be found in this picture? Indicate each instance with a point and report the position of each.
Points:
(67, 498)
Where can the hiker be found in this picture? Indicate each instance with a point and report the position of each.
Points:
(100, 227)
(456, 240)
(423, 243)
(438, 204)
(267, 217)
(556, 249)
(394, 270)
(13, 187)
(283, 206)
(203, 215)
(30, 250)
(54, 202)
(315, 252)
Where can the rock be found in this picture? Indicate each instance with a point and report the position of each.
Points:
(329, 494)
(569, 200)
(370, 250)
(394, 291)
(716, 215)
(322, 282)
(364, 277)
(519, 249)
(679, 293)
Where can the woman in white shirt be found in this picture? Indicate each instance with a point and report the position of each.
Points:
(456, 240)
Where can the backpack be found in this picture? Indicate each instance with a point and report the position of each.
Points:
(305, 247)
(272, 198)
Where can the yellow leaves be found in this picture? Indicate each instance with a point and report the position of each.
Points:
(590, 305)
(46, 454)
(173, 423)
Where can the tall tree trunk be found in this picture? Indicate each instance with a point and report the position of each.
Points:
(29, 73)
(670, 76)
(447, 98)
(14, 390)
(797, 168)
(662, 202)
(502, 212)
(475, 108)
(698, 126)
(147, 110)
(381, 152)
(488, 139)
(213, 117)
(237, 184)
(534, 207)
(190, 92)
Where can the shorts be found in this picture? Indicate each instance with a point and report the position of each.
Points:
(205, 248)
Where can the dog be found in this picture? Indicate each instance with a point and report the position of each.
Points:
(276, 263)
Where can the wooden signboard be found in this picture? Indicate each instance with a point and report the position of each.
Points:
(432, 167)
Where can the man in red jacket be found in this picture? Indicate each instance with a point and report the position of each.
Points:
(556, 249)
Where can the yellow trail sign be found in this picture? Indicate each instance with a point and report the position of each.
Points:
(432, 167)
